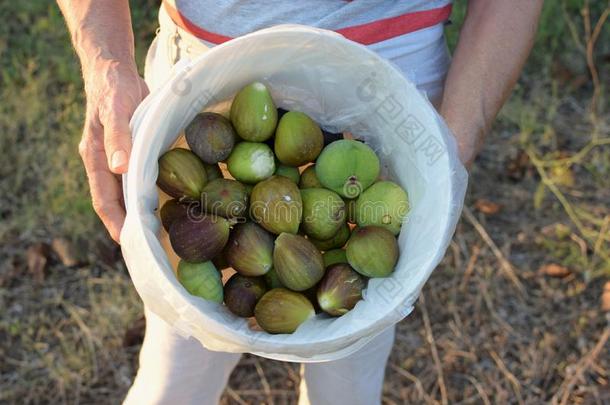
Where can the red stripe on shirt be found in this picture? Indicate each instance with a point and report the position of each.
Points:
(365, 34)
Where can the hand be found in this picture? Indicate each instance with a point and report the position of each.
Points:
(114, 90)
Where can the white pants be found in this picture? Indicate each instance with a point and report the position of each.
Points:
(179, 371)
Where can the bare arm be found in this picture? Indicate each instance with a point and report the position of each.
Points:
(495, 40)
(102, 36)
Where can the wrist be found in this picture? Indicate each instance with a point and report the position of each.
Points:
(469, 132)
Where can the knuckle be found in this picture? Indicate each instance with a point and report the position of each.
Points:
(100, 208)
(83, 148)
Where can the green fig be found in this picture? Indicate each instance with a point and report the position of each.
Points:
(201, 280)
(250, 249)
(383, 204)
(253, 113)
(272, 280)
(350, 208)
(309, 178)
(288, 171)
(334, 256)
(347, 167)
(181, 174)
(210, 136)
(282, 311)
(372, 251)
(276, 205)
(198, 239)
(213, 172)
(170, 211)
(299, 265)
(323, 212)
(338, 240)
(242, 293)
(298, 139)
(340, 289)
(251, 162)
(225, 197)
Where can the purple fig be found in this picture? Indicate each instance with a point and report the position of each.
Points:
(340, 289)
(242, 293)
(210, 136)
(199, 239)
(250, 249)
(181, 174)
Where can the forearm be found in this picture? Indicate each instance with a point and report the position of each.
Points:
(495, 39)
(100, 30)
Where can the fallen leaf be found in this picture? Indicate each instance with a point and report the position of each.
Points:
(37, 257)
(606, 297)
(554, 270)
(487, 207)
(66, 251)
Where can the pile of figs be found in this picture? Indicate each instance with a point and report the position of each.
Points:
(294, 218)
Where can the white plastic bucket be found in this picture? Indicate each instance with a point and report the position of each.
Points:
(343, 86)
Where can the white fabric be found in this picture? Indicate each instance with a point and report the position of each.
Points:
(235, 18)
(178, 370)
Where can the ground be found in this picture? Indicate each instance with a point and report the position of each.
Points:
(516, 312)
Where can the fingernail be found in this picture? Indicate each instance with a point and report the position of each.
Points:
(119, 159)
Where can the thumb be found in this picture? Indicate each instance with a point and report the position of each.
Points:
(117, 142)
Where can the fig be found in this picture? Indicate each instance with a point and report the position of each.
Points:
(372, 251)
(242, 293)
(212, 172)
(225, 197)
(347, 167)
(298, 139)
(276, 205)
(181, 174)
(201, 280)
(334, 256)
(199, 239)
(253, 113)
(250, 249)
(323, 212)
(298, 263)
(251, 162)
(220, 261)
(338, 240)
(272, 280)
(170, 211)
(383, 204)
(288, 171)
(282, 311)
(210, 136)
(340, 289)
(309, 178)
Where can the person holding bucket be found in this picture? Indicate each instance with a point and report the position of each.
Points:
(467, 89)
